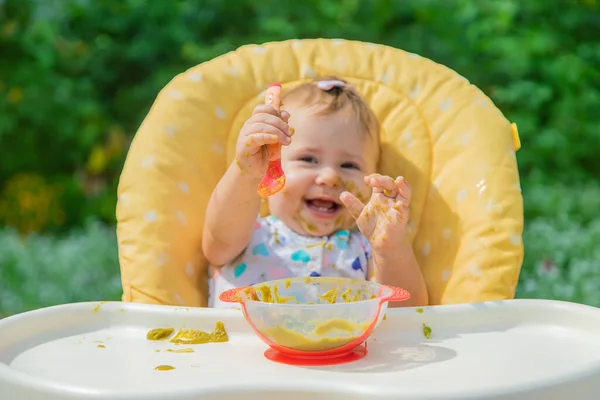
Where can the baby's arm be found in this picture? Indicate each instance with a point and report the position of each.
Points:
(235, 204)
(383, 221)
(230, 216)
(399, 267)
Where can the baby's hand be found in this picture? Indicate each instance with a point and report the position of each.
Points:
(265, 127)
(383, 219)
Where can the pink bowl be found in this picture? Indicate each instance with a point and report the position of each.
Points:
(314, 317)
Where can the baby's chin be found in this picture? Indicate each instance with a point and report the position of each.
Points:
(316, 229)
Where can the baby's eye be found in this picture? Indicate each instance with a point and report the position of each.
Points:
(309, 159)
(350, 165)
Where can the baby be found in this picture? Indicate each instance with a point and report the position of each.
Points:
(329, 158)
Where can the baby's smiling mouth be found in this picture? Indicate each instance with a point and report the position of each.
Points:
(323, 204)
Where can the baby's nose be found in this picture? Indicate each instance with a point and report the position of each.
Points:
(328, 177)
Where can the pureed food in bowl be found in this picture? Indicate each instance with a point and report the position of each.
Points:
(318, 314)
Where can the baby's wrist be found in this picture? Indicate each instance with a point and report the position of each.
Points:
(246, 172)
(390, 247)
(244, 177)
(385, 258)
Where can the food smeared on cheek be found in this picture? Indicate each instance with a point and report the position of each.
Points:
(360, 192)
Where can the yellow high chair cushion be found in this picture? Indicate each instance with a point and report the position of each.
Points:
(440, 132)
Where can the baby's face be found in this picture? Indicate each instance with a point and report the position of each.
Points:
(328, 155)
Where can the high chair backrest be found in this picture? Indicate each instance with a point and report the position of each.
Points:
(440, 132)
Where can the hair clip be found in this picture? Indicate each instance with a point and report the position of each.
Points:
(328, 85)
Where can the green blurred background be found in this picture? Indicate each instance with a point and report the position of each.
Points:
(78, 76)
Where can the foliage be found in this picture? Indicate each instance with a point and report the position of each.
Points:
(39, 271)
(78, 76)
(561, 236)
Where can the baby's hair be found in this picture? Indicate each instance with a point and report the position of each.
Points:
(335, 99)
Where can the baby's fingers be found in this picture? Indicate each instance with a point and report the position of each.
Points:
(402, 212)
(262, 128)
(272, 121)
(265, 109)
(256, 140)
(285, 116)
(382, 184)
(404, 189)
(352, 203)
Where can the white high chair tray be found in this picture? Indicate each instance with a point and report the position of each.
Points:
(517, 349)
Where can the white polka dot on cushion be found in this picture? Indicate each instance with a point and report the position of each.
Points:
(384, 78)
(179, 299)
(446, 273)
(184, 187)
(480, 102)
(515, 239)
(147, 161)
(308, 72)
(126, 249)
(337, 42)
(220, 113)
(461, 195)
(447, 233)
(463, 140)
(161, 259)
(170, 130)
(437, 183)
(412, 55)
(446, 105)
(151, 216)
(414, 92)
(340, 62)
(195, 76)
(408, 138)
(218, 148)
(124, 199)
(474, 270)
(181, 218)
(175, 94)
(493, 207)
(232, 71)
(189, 269)
(297, 43)
(259, 50)
(426, 249)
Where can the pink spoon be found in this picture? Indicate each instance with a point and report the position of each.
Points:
(274, 179)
